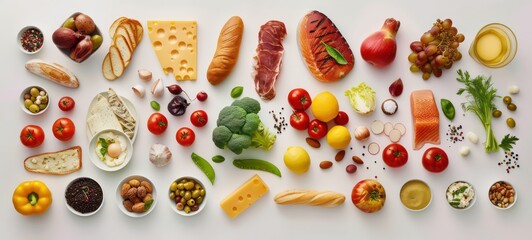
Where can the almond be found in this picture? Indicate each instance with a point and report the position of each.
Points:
(325, 164)
(313, 142)
(357, 160)
(339, 156)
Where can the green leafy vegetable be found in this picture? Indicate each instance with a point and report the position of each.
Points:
(104, 144)
(334, 53)
(148, 204)
(362, 98)
(237, 91)
(507, 142)
(447, 108)
(155, 105)
(204, 166)
(480, 97)
(257, 164)
(460, 190)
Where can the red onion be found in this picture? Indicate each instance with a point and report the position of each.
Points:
(380, 47)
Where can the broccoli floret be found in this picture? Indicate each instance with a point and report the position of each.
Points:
(232, 117)
(250, 105)
(251, 125)
(263, 138)
(220, 136)
(239, 142)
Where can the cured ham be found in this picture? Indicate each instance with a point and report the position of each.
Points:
(315, 31)
(268, 58)
(425, 117)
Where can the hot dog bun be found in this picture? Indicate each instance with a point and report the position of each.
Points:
(227, 50)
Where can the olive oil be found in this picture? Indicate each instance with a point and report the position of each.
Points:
(494, 46)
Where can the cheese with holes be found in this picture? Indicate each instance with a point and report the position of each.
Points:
(174, 43)
(244, 196)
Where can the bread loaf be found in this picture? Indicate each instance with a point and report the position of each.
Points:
(55, 163)
(227, 50)
(54, 72)
(310, 197)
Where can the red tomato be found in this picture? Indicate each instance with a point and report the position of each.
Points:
(342, 118)
(32, 136)
(317, 129)
(185, 136)
(63, 129)
(66, 103)
(368, 195)
(299, 99)
(299, 120)
(157, 123)
(435, 160)
(395, 155)
(199, 118)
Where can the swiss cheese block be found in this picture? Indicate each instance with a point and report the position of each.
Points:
(174, 43)
(244, 196)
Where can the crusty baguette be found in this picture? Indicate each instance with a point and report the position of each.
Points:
(310, 197)
(53, 72)
(55, 163)
(227, 50)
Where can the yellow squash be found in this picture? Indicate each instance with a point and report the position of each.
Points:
(32, 197)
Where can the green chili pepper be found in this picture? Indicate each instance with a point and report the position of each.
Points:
(447, 108)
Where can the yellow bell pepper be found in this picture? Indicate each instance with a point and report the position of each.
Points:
(32, 197)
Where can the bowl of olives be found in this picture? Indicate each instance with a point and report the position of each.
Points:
(187, 196)
(78, 37)
(34, 100)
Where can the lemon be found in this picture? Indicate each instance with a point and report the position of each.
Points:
(297, 159)
(338, 137)
(325, 106)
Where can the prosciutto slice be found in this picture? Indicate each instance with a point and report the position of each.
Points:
(268, 58)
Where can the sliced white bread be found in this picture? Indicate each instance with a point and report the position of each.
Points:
(117, 64)
(55, 163)
(121, 43)
(107, 69)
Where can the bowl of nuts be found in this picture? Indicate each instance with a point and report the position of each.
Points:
(502, 195)
(136, 196)
(34, 100)
(187, 196)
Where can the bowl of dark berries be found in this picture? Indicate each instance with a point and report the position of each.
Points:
(84, 196)
(30, 39)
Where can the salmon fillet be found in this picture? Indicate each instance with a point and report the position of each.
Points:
(425, 117)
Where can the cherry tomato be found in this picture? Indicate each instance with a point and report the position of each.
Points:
(199, 118)
(342, 118)
(299, 120)
(185, 136)
(299, 99)
(66, 103)
(201, 96)
(435, 160)
(368, 195)
(157, 123)
(63, 129)
(395, 155)
(32, 136)
(317, 129)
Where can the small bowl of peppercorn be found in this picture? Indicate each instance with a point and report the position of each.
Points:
(30, 39)
(84, 196)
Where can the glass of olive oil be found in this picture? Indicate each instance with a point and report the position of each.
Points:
(494, 46)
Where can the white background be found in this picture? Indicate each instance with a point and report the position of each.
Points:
(265, 219)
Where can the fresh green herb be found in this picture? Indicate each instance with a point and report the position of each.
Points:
(218, 159)
(104, 144)
(334, 53)
(480, 99)
(204, 166)
(147, 205)
(155, 105)
(455, 202)
(257, 164)
(447, 108)
(508, 142)
(460, 191)
(237, 91)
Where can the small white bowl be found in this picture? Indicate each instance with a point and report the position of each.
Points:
(98, 162)
(403, 188)
(27, 90)
(19, 42)
(510, 205)
(120, 200)
(76, 211)
(471, 203)
(201, 206)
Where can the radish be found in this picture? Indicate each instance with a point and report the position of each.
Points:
(380, 47)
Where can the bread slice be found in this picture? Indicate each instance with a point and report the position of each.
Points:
(140, 30)
(55, 163)
(125, 52)
(132, 31)
(117, 64)
(115, 24)
(121, 30)
(107, 69)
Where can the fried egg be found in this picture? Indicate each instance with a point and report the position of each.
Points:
(116, 149)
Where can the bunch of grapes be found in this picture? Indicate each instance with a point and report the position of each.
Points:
(436, 49)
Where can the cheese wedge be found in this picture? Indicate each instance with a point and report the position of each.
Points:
(244, 196)
(175, 44)
(56, 163)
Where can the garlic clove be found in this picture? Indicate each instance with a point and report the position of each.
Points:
(139, 90)
(145, 74)
(160, 155)
(157, 89)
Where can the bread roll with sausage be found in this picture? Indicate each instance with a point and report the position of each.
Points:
(310, 197)
(227, 50)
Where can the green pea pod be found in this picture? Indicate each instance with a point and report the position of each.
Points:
(237, 91)
(204, 166)
(218, 158)
(447, 108)
(257, 164)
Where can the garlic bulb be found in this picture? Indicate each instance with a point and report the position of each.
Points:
(160, 155)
